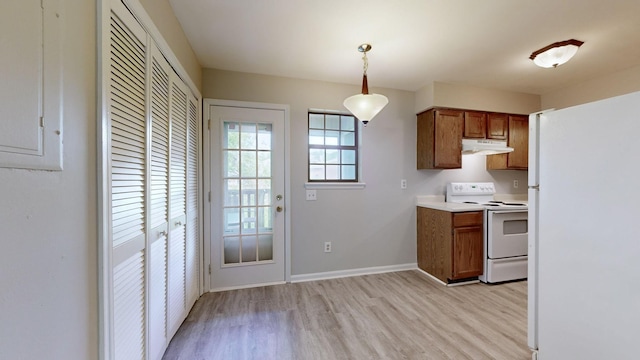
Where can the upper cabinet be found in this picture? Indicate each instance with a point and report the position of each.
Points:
(439, 139)
(440, 132)
(497, 126)
(475, 125)
(518, 139)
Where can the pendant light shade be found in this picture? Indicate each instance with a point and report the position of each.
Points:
(556, 54)
(365, 106)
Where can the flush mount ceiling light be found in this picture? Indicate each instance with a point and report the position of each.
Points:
(365, 106)
(556, 54)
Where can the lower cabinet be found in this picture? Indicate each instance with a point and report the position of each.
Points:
(450, 243)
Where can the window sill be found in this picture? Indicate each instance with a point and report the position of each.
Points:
(335, 186)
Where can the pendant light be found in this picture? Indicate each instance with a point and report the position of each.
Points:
(556, 54)
(365, 106)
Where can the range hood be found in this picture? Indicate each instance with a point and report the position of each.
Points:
(484, 147)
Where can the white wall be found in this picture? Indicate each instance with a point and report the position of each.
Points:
(474, 98)
(370, 227)
(165, 20)
(48, 268)
(618, 83)
(48, 262)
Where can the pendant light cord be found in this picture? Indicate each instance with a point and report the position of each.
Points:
(365, 66)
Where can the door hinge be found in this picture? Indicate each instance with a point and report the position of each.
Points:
(209, 196)
(209, 124)
(209, 269)
(41, 121)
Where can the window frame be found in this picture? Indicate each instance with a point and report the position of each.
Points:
(335, 183)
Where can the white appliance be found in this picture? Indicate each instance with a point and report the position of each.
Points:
(505, 231)
(584, 240)
(485, 147)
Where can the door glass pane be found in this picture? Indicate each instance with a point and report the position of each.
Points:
(264, 192)
(248, 136)
(248, 192)
(231, 192)
(248, 216)
(248, 205)
(231, 136)
(231, 221)
(231, 250)
(264, 136)
(249, 248)
(265, 247)
(264, 164)
(232, 163)
(248, 163)
(265, 221)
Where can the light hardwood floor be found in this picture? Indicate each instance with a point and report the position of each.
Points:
(401, 315)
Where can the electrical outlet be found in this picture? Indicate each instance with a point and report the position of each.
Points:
(311, 195)
(403, 184)
(515, 184)
(327, 246)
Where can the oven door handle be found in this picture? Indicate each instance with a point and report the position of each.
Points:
(508, 212)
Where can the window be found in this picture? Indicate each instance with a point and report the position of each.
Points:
(333, 148)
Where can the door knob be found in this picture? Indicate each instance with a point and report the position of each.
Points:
(278, 197)
(279, 208)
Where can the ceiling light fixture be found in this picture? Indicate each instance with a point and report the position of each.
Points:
(365, 106)
(556, 54)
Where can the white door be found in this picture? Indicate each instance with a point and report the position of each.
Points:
(247, 208)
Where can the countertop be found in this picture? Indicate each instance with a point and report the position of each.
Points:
(437, 202)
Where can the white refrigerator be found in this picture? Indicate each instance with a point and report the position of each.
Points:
(584, 231)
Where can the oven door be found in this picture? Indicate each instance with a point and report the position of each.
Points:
(507, 233)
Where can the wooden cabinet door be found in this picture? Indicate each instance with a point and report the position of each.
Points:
(519, 141)
(467, 252)
(497, 126)
(475, 125)
(449, 125)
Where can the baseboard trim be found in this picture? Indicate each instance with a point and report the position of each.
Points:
(432, 277)
(352, 272)
(449, 285)
(220, 289)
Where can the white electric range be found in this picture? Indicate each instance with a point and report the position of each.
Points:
(505, 230)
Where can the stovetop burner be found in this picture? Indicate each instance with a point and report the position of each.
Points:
(479, 194)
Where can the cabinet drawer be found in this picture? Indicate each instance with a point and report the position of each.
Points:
(467, 218)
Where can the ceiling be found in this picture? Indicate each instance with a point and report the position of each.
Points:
(483, 43)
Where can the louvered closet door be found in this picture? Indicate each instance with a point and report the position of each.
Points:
(193, 230)
(177, 205)
(159, 204)
(127, 146)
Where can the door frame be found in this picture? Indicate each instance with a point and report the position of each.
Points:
(208, 182)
